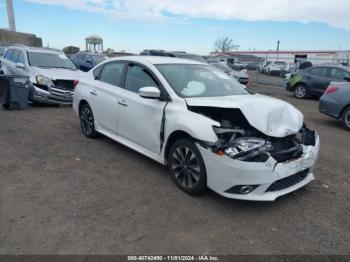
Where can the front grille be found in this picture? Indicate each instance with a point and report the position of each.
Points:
(288, 181)
(64, 84)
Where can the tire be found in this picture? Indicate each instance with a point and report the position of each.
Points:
(187, 167)
(300, 91)
(346, 118)
(87, 123)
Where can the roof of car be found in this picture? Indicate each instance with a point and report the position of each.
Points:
(156, 60)
(37, 49)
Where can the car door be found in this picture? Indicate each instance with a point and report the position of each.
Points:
(8, 63)
(19, 58)
(140, 119)
(104, 95)
(318, 80)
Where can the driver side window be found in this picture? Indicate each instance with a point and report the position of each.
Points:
(138, 77)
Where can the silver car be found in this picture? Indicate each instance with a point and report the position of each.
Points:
(52, 74)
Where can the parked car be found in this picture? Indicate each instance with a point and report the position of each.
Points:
(275, 68)
(252, 65)
(262, 67)
(314, 81)
(190, 56)
(208, 129)
(52, 74)
(335, 102)
(179, 54)
(86, 60)
(153, 52)
(240, 76)
(239, 65)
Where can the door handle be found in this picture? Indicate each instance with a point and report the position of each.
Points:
(122, 103)
(93, 92)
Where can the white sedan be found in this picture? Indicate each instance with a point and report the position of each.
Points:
(209, 130)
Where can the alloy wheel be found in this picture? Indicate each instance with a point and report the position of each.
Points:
(87, 120)
(300, 92)
(185, 166)
(347, 118)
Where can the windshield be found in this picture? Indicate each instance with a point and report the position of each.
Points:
(280, 63)
(50, 60)
(98, 58)
(191, 57)
(199, 81)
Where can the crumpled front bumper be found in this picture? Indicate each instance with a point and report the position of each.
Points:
(224, 173)
(54, 96)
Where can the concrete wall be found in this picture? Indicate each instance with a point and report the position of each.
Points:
(8, 38)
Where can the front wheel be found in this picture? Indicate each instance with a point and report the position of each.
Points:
(187, 167)
(346, 118)
(300, 91)
(87, 122)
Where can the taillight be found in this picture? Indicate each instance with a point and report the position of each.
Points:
(75, 82)
(331, 89)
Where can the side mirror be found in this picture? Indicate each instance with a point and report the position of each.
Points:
(20, 65)
(149, 92)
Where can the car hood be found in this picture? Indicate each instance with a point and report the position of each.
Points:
(270, 116)
(57, 73)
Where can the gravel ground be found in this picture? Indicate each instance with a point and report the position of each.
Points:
(61, 193)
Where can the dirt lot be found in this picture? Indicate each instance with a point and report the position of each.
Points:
(61, 193)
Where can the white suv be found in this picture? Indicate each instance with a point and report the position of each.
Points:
(52, 74)
(208, 129)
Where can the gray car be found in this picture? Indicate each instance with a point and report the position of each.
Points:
(52, 74)
(240, 76)
(335, 102)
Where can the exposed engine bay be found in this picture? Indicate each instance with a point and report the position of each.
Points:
(238, 140)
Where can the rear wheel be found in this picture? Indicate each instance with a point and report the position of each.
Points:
(346, 118)
(300, 91)
(87, 122)
(187, 167)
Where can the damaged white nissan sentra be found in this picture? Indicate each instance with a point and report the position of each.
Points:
(205, 126)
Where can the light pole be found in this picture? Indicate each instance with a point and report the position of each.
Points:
(278, 47)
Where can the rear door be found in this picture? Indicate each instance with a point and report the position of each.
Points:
(104, 95)
(318, 79)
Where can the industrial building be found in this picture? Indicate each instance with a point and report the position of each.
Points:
(9, 35)
(291, 57)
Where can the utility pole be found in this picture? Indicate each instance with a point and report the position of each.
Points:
(11, 15)
(278, 47)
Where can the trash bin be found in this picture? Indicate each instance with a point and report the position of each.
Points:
(14, 91)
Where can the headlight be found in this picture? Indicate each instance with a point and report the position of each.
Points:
(243, 146)
(42, 80)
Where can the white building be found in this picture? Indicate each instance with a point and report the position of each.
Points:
(291, 57)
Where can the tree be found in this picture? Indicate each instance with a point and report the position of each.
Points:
(71, 50)
(223, 44)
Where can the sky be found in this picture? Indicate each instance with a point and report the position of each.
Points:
(186, 25)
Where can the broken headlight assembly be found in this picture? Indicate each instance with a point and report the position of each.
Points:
(43, 81)
(247, 147)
